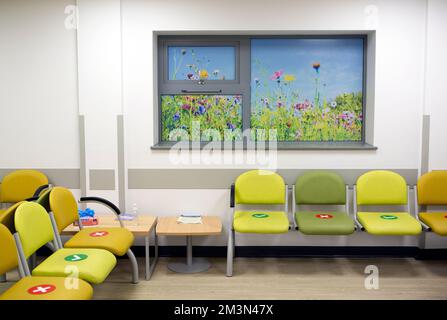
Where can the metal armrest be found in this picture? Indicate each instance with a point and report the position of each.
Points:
(357, 222)
(106, 203)
(39, 190)
(416, 210)
(232, 191)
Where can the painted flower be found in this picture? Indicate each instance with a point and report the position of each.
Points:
(316, 66)
(279, 104)
(186, 107)
(177, 116)
(203, 74)
(216, 72)
(189, 76)
(202, 110)
(289, 123)
(277, 74)
(183, 51)
(231, 126)
(333, 104)
(289, 78)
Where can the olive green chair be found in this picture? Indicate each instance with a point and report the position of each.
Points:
(321, 188)
(256, 187)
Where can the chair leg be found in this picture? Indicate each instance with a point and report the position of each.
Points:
(134, 262)
(230, 253)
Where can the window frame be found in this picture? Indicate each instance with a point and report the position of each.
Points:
(242, 84)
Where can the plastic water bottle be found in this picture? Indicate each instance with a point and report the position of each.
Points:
(134, 212)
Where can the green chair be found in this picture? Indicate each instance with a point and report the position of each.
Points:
(34, 229)
(384, 188)
(256, 187)
(37, 288)
(321, 188)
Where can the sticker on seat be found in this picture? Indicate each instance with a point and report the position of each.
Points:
(259, 215)
(98, 234)
(41, 289)
(388, 217)
(76, 257)
(324, 216)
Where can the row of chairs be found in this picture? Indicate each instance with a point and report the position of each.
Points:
(322, 188)
(86, 258)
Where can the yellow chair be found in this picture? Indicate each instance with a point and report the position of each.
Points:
(257, 187)
(431, 190)
(37, 288)
(63, 209)
(20, 185)
(34, 229)
(382, 187)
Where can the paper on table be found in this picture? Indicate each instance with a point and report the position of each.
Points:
(189, 220)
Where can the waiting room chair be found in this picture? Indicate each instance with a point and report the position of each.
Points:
(63, 210)
(21, 185)
(431, 190)
(382, 188)
(37, 288)
(256, 187)
(322, 188)
(34, 229)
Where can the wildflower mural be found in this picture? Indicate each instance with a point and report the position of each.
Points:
(308, 89)
(220, 113)
(201, 63)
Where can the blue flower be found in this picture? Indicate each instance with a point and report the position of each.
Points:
(231, 126)
(202, 109)
(177, 116)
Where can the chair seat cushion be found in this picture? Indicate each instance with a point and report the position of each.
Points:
(437, 221)
(48, 288)
(92, 265)
(392, 224)
(115, 240)
(324, 223)
(261, 222)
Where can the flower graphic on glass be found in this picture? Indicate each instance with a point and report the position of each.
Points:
(308, 89)
(202, 63)
(207, 117)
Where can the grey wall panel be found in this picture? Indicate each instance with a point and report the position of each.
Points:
(425, 147)
(102, 179)
(222, 178)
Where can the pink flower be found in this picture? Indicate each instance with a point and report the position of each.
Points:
(277, 74)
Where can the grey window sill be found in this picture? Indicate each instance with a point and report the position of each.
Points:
(285, 146)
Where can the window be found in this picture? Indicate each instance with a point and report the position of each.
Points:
(293, 89)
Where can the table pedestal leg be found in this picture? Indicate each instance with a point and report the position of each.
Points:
(192, 265)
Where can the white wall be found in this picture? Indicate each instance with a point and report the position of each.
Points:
(399, 68)
(38, 86)
(436, 84)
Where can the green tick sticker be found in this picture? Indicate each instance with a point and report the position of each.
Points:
(388, 217)
(260, 215)
(76, 257)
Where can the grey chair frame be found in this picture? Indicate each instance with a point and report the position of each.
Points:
(231, 245)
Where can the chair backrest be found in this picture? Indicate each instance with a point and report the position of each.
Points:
(21, 185)
(33, 224)
(432, 188)
(44, 199)
(260, 187)
(7, 217)
(320, 187)
(381, 187)
(64, 207)
(8, 253)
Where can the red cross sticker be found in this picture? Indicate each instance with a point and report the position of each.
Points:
(324, 216)
(41, 289)
(99, 234)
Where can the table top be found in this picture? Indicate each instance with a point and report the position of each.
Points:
(139, 227)
(169, 226)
